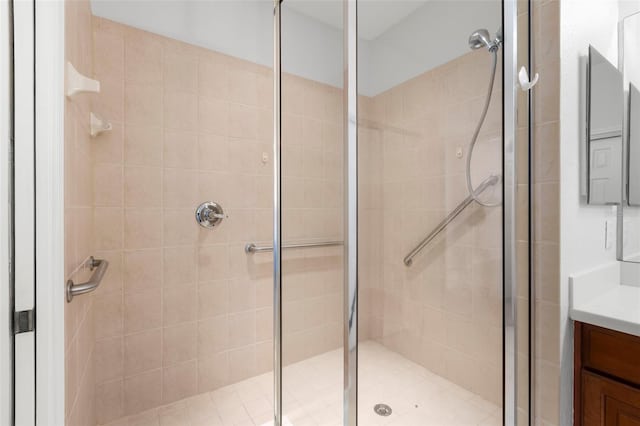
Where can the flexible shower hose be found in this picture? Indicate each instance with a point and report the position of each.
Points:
(474, 139)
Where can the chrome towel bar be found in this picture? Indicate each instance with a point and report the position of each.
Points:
(491, 180)
(252, 248)
(100, 266)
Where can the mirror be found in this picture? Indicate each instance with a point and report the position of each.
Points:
(605, 100)
(631, 73)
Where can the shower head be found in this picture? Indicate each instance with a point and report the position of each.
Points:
(481, 38)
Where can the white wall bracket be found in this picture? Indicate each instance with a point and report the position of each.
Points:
(98, 125)
(78, 83)
(523, 79)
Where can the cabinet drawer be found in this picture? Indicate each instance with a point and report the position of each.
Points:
(611, 352)
(608, 403)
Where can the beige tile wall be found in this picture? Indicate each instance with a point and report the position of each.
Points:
(370, 221)
(183, 309)
(312, 201)
(79, 315)
(546, 210)
(444, 311)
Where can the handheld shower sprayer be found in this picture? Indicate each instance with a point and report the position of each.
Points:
(481, 38)
(477, 40)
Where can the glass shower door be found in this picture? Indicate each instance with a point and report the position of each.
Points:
(311, 249)
(436, 214)
(397, 245)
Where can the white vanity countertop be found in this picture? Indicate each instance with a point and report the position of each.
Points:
(598, 298)
(617, 309)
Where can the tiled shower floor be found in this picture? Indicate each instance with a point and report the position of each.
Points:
(313, 397)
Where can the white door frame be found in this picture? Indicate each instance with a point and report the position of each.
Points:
(50, 299)
(6, 339)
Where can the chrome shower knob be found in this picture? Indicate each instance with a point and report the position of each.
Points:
(209, 214)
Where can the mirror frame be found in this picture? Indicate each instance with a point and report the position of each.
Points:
(625, 203)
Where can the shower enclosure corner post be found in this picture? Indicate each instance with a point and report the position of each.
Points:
(510, 92)
(350, 63)
(277, 216)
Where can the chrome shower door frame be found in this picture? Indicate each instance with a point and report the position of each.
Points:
(509, 212)
(277, 214)
(350, 298)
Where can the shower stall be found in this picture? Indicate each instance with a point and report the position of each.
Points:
(298, 213)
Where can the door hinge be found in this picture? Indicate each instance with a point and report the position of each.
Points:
(24, 321)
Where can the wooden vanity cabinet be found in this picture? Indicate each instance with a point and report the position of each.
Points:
(606, 377)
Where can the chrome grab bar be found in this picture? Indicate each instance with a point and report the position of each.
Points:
(491, 180)
(252, 248)
(100, 266)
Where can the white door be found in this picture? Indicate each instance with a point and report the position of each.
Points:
(604, 171)
(6, 337)
(22, 193)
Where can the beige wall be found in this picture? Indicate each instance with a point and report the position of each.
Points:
(312, 202)
(444, 311)
(546, 210)
(79, 243)
(370, 221)
(183, 309)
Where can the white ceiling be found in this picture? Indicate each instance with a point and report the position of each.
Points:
(375, 17)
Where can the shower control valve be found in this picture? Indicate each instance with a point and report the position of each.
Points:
(209, 214)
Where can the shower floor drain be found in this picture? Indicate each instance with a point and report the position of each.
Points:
(382, 410)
